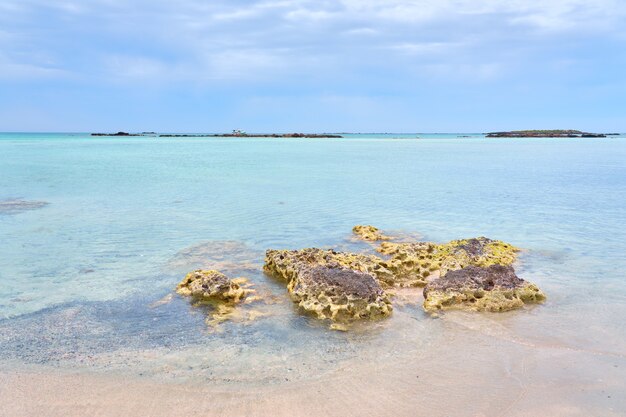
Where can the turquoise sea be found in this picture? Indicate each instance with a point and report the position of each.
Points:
(105, 228)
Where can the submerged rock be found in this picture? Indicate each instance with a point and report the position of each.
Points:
(330, 284)
(231, 257)
(369, 233)
(221, 294)
(14, 206)
(211, 286)
(474, 288)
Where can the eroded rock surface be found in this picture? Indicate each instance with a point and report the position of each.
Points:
(286, 263)
(369, 233)
(331, 285)
(222, 295)
(414, 264)
(211, 286)
(474, 288)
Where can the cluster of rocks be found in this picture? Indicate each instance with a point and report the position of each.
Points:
(469, 274)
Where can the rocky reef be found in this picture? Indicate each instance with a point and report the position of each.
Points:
(330, 285)
(369, 233)
(343, 287)
(492, 288)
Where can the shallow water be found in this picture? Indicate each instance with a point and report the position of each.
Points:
(87, 268)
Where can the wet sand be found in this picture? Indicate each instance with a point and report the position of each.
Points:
(470, 373)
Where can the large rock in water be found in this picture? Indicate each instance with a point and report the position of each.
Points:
(211, 286)
(491, 288)
(286, 263)
(330, 285)
(414, 264)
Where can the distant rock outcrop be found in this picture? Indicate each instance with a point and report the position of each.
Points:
(117, 134)
(545, 134)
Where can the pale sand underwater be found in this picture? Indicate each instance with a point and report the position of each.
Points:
(470, 374)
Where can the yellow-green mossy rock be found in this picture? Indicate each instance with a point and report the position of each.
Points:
(415, 264)
(329, 284)
(410, 264)
(479, 251)
(211, 286)
(369, 233)
(492, 288)
(285, 263)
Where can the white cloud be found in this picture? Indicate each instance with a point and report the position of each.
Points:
(14, 70)
(261, 40)
(425, 48)
(362, 32)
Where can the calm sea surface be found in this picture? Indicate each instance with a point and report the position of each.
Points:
(85, 278)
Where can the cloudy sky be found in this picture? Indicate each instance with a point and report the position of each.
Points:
(322, 65)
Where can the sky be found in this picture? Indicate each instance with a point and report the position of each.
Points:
(312, 65)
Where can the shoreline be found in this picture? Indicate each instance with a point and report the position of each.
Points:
(505, 377)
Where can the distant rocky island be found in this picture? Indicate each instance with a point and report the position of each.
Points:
(545, 134)
(234, 134)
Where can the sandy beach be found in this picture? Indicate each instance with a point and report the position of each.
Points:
(475, 373)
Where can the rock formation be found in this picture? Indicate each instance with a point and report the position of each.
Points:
(474, 288)
(369, 233)
(211, 286)
(414, 263)
(330, 284)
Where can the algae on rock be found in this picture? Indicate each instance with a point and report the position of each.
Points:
(369, 233)
(414, 264)
(474, 288)
(211, 286)
(285, 263)
(480, 251)
(220, 292)
(329, 284)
